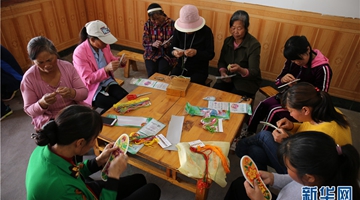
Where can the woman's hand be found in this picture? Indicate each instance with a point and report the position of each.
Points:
(47, 99)
(66, 92)
(123, 62)
(156, 44)
(279, 135)
(105, 154)
(190, 52)
(267, 177)
(233, 68)
(112, 66)
(287, 78)
(118, 166)
(224, 74)
(253, 193)
(284, 123)
(177, 53)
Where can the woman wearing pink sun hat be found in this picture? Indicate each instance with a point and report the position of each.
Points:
(193, 45)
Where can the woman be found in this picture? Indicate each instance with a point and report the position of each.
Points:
(312, 159)
(240, 56)
(158, 32)
(304, 63)
(96, 64)
(50, 84)
(315, 112)
(193, 45)
(52, 172)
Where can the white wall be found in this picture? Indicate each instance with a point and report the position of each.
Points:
(343, 8)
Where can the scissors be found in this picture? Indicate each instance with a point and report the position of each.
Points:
(244, 98)
(134, 96)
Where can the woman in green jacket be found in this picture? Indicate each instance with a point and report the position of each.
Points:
(53, 173)
(240, 56)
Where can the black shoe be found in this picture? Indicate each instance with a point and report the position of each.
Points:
(6, 113)
(245, 133)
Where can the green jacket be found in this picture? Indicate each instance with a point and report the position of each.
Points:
(247, 55)
(49, 176)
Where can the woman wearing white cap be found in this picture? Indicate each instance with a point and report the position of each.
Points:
(193, 44)
(95, 64)
(158, 32)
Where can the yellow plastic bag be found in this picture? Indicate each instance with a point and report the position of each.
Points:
(193, 164)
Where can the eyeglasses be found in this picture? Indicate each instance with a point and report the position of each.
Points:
(237, 28)
(42, 63)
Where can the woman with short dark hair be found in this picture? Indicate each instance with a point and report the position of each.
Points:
(50, 84)
(240, 57)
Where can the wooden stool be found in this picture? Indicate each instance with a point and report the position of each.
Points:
(119, 81)
(208, 82)
(268, 91)
(132, 57)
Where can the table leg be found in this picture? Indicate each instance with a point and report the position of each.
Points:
(133, 65)
(168, 172)
(201, 194)
(202, 189)
(127, 69)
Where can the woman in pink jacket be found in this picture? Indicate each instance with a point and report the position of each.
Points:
(95, 64)
(50, 84)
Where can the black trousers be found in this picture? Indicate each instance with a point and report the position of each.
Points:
(229, 87)
(237, 190)
(195, 76)
(161, 66)
(130, 187)
(116, 93)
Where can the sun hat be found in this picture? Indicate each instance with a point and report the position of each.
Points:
(100, 30)
(153, 7)
(189, 20)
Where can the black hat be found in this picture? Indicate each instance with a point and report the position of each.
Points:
(153, 7)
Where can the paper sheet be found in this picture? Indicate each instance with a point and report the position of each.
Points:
(130, 121)
(174, 131)
(149, 83)
(233, 107)
(222, 77)
(151, 128)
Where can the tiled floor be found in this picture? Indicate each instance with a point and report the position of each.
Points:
(16, 147)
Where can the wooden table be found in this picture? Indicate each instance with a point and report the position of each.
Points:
(162, 108)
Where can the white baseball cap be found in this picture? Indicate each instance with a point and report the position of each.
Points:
(100, 30)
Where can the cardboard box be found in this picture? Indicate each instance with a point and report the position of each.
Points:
(178, 86)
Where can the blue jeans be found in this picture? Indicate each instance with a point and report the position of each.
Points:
(262, 149)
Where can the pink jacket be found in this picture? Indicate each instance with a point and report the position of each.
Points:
(33, 89)
(85, 64)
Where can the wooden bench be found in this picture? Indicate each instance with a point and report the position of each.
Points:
(268, 91)
(132, 57)
(119, 81)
